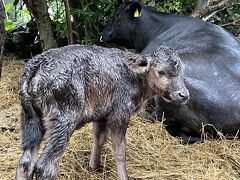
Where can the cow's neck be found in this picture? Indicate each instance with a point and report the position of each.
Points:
(149, 27)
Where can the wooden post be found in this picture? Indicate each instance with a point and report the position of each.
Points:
(68, 22)
(2, 35)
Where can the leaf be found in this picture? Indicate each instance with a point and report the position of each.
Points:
(7, 7)
(8, 25)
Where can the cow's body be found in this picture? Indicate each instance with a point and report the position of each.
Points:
(64, 88)
(212, 60)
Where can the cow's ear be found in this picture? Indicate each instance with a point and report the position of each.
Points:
(135, 9)
(139, 64)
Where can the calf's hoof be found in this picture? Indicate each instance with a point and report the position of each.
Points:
(24, 168)
(45, 172)
(96, 169)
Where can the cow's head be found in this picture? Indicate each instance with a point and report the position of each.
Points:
(122, 28)
(164, 74)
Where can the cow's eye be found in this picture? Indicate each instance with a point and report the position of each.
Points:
(161, 73)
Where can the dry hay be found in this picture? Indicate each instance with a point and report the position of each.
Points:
(8, 84)
(152, 153)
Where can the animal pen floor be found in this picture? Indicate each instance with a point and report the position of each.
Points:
(152, 153)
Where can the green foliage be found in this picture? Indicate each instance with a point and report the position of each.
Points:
(90, 18)
(57, 15)
(229, 18)
(7, 7)
(173, 6)
(8, 23)
(56, 10)
(170, 6)
(16, 16)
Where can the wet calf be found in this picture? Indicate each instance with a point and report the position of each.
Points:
(62, 89)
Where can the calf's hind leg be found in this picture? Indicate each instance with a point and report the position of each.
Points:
(26, 163)
(31, 138)
(99, 138)
(61, 129)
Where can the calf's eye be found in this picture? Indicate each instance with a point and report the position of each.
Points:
(161, 73)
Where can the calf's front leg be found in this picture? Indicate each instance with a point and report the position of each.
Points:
(99, 138)
(119, 146)
(118, 123)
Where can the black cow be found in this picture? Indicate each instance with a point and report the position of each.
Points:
(212, 61)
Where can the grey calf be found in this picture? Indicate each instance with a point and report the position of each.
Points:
(62, 89)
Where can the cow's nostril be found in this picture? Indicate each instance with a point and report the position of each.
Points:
(101, 38)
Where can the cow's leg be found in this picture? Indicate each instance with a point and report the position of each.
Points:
(60, 129)
(31, 138)
(99, 138)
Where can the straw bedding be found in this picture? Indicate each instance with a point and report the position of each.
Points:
(152, 153)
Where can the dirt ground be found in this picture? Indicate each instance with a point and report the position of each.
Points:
(152, 152)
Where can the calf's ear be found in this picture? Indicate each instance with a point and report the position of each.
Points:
(135, 8)
(138, 63)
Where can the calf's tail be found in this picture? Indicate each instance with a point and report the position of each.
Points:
(31, 124)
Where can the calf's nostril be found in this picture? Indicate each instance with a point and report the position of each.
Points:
(183, 95)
